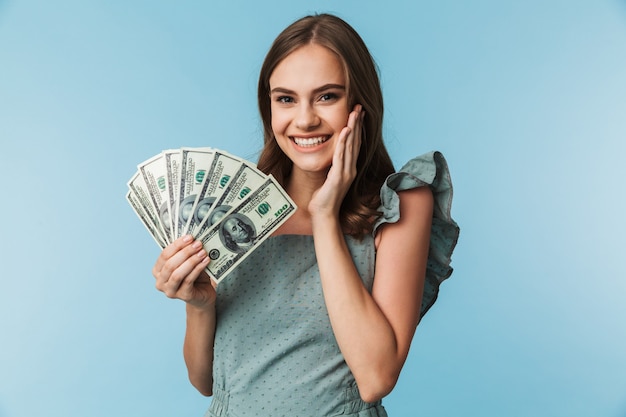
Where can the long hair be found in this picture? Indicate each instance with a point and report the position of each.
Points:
(359, 207)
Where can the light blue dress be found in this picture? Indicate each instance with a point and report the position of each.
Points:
(275, 352)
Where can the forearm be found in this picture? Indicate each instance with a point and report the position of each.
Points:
(198, 347)
(365, 337)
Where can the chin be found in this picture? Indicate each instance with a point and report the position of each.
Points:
(310, 163)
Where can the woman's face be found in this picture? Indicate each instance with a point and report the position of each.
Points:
(309, 103)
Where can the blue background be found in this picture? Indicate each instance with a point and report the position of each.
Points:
(527, 100)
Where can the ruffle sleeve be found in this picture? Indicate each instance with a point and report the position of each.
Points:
(430, 170)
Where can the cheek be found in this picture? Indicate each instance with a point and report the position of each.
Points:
(337, 118)
(278, 121)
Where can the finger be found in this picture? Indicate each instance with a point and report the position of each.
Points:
(352, 143)
(359, 128)
(196, 272)
(204, 277)
(340, 151)
(358, 138)
(187, 271)
(176, 261)
(169, 251)
(186, 288)
(345, 137)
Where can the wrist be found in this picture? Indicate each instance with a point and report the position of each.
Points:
(207, 309)
(324, 222)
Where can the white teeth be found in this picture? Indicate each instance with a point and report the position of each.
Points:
(307, 142)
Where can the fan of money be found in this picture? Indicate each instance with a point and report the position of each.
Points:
(218, 198)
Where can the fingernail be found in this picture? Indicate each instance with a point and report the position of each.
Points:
(187, 238)
(197, 244)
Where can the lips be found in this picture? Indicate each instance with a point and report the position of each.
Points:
(310, 142)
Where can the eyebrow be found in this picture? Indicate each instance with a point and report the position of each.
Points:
(315, 91)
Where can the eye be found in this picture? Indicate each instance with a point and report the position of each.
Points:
(284, 99)
(328, 96)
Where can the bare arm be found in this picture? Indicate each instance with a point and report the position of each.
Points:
(179, 274)
(374, 331)
(198, 348)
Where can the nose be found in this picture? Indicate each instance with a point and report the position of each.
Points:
(307, 117)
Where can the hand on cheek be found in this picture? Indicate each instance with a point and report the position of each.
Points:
(328, 199)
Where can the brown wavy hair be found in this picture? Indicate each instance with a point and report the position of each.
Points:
(360, 205)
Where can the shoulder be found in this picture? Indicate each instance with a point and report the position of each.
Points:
(415, 234)
(416, 211)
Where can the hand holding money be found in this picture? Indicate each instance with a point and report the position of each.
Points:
(219, 199)
(179, 273)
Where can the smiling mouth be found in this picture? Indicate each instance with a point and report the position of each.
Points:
(310, 142)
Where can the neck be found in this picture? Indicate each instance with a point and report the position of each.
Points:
(301, 185)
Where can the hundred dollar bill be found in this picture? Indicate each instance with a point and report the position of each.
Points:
(194, 163)
(171, 159)
(223, 167)
(236, 235)
(155, 174)
(138, 186)
(246, 179)
(133, 200)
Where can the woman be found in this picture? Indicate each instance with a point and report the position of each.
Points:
(319, 319)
